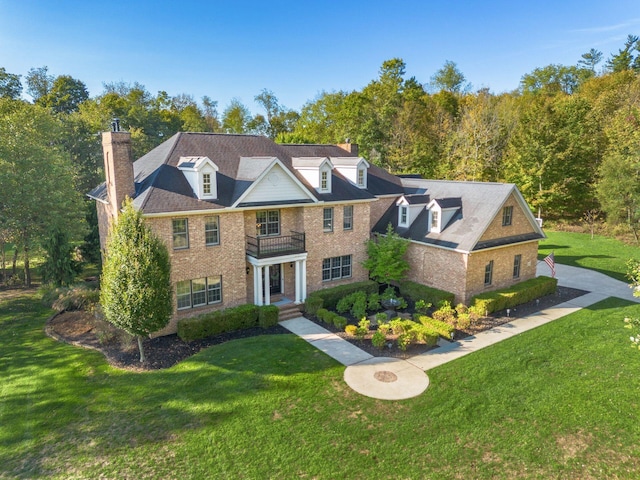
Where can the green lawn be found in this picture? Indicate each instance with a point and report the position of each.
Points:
(603, 254)
(560, 401)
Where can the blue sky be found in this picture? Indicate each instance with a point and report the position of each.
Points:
(227, 49)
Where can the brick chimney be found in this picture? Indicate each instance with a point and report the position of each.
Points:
(118, 168)
(349, 147)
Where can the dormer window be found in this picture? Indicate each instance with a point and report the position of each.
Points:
(404, 216)
(435, 220)
(353, 169)
(206, 184)
(361, 177)
(200, 172)
(324, 180)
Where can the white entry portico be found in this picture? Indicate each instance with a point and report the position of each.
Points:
(261, 274)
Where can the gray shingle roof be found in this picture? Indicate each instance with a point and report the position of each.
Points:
(162, 187)
(478, 204)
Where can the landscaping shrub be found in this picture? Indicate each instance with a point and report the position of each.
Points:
(268, 316)
(339, 322)
(422, 306)
(378, 339)
(384, 328)
(373, 302)
(515, 295)
(416, 291)
(77, 297)
(323, 315)
(351, 330)
(312, 304)
(228, 320)
(445, 313)
(381, 318)
(445, 330)
(355, 303)
(331, 296)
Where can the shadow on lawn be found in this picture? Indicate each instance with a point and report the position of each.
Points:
(60, 403)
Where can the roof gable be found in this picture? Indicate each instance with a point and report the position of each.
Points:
(275, 185)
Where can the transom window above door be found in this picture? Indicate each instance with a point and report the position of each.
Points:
(268, 223)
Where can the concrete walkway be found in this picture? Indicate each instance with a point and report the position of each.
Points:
(395, 379)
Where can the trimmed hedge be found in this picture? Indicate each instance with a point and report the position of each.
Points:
(331, 296)
(515, 295)
(228, 320)
(417, 291)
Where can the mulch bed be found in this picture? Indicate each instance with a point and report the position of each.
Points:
(562, 295)
(80, 328)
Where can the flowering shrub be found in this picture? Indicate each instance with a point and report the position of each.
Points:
(633, 324)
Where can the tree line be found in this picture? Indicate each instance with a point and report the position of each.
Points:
(568, 137)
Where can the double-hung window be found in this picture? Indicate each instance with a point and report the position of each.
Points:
(324, 180)
(206, 184)
(212, 230)
(507, 216)
(336, 267)
(347, 217)
(488, 273)
(180, 233)
(327, 220)
(434, 219)
(199, 292)
(268, 223)
(517, 261)
(403, 216)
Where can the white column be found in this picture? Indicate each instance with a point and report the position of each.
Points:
(256, 291)
(258, 284)
(298, 283)
(303, 279)
(267, 293)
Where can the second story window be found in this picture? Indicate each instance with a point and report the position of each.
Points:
(268, 223)
(180, 233)
(361, 177)
(324, 180)
(206, 184)
(403, 216)
(347, 217)
(507, 216)
(434, 219)
(212, 230)
(327, 220)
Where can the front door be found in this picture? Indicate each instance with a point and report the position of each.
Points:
(275, 280)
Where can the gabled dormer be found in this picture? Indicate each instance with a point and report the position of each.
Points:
(409, 207)
(441, 211)
(353, 169)
(201, 173)
(316, 171)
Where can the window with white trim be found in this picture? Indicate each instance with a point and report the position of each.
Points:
(180, 233)
(361, 177)
(268, 223)
(206, 184)
(403, 216)
(435, 221)
(335, 268)
(327, 219)
(212, 230)
(199, 292)
(324, 180)
(347, 217)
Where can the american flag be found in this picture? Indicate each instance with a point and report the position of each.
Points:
(551, 261)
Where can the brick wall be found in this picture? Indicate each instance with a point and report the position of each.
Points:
(519, 223)
(503, 259)
(321, 245)
(199, 260)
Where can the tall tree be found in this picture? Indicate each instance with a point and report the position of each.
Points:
(65, 95)
(590, 60)
(135, 287)
(554, 79)
(39, 82)
(625, 59)
(236, 117)
(385, 257)
(37, 193)
(10, 86)
(450, 79)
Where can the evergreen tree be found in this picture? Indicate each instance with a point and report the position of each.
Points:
(136, 293)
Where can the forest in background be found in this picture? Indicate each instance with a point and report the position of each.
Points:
(568, 137)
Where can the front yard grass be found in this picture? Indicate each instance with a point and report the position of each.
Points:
(603, 254)
(560, 401)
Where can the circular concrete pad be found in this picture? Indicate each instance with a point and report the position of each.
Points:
(386, 378)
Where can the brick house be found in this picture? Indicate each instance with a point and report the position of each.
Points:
(247, 220)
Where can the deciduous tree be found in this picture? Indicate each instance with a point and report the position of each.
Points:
(135, 291)
(386, 262)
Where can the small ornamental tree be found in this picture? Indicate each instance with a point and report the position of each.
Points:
(386, 262)
(633, 274)
(136, 293)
